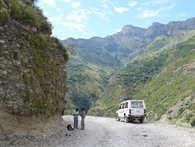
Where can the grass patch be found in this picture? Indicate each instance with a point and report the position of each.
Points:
(25, 14)
(41, 42)
(4, 12)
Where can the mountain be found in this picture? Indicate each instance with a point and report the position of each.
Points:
(171, 92)
(113, 49)
(159, 77)
(132, 58)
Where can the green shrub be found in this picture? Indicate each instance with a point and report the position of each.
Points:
(41, 42)
(192, 122)
(30, 15)
(45, 26)
(60, 46)
(4, 15)
(3, 4)
(65, 54)
(16, 9)
(4, 12)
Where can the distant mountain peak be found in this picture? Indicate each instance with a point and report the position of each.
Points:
(157, 24)
(131, 29)
(131, 38)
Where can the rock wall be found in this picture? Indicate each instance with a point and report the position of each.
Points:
(32, 74)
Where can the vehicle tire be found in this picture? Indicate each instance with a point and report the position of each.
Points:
(117, 118)
(142, 119)
(126, 119)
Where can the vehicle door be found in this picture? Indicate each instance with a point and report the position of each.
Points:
(121, 111)
(137, 108)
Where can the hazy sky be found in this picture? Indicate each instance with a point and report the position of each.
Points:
(88, 18)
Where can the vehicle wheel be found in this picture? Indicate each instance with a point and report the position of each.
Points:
(126, 119)
(117, 118)
(142, 120)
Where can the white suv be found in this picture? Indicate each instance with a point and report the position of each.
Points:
(132, 110)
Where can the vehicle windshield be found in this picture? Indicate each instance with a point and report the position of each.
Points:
(136, 104)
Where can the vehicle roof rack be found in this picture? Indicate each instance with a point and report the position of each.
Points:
(127, 98)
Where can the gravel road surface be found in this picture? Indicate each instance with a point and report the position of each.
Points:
(107, 132)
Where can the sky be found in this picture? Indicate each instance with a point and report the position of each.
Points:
(89, 18)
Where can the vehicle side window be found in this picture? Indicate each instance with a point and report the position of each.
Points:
(137, 105)
(123, 105)
(126, 105)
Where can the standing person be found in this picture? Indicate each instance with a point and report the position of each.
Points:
(82, 114)
(76, 114)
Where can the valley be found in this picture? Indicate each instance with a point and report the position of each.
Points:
(127, 64)
(44, 78)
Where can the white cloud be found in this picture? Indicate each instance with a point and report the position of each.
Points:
(79, 15)
(161, 1)
(152, 13)
(74, 26)
(67, 1)
(58, 20)
(59, 10)
(57, 31)
(83, 14)
(156, 2)
(106, 4)
(49, 2)
(132, 3)
(121, 9)
(148, 14)
(75, 4)
(103, 14)
(76, 17)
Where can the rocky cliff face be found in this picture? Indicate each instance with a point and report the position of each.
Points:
(32, 69)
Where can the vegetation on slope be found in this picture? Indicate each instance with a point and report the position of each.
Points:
(129, 81)
(25, 14)
(172, 91)
(85, 81)
(35, 61)
(141, 79)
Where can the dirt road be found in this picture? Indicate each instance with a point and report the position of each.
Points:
(107, 132)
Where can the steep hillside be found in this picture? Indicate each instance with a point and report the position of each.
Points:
(32, 72)
(171, 92)
(105, 56)
(97, 51)
(85, 82)
(127, 82)
(164, 79)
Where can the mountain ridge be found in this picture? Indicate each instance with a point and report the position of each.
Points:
(125, 42)
(190, 22)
